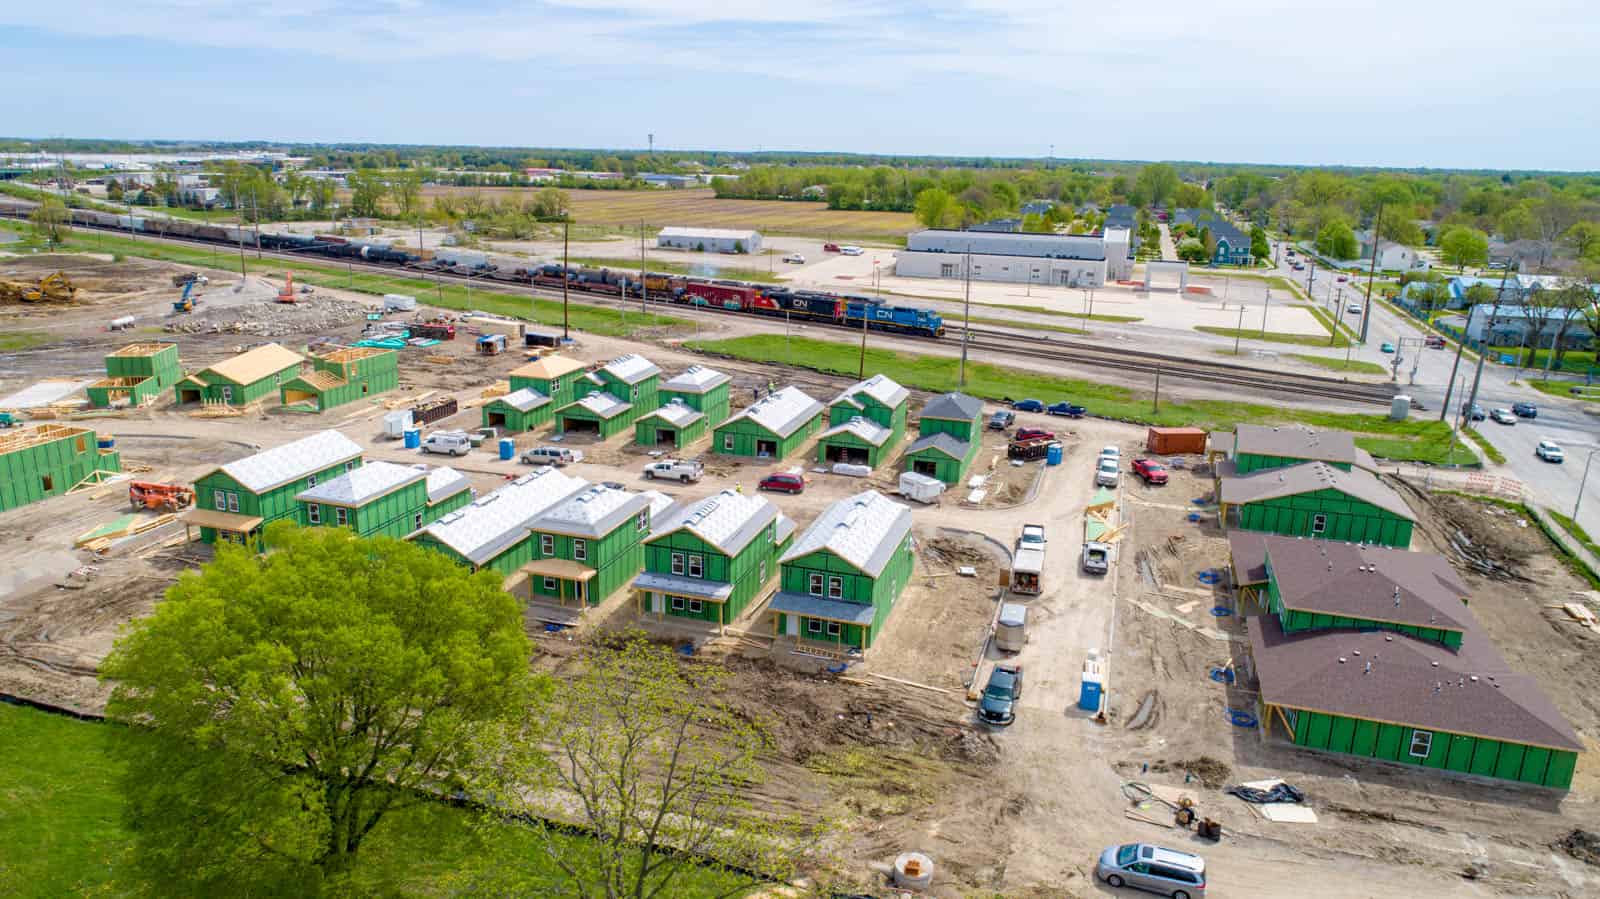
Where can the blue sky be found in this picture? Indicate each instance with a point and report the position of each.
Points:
(1362, 82)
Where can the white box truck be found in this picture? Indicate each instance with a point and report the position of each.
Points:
(399, 302)
(1011, 628)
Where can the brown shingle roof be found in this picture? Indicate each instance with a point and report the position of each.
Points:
(1371, 582)
(1307, 477)
(1393, 678)
(1248, 550)
(1295, 442)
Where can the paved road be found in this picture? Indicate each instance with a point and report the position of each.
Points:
(1427, 372)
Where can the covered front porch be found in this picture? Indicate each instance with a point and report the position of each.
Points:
(559, 580)
(683, 598)
(229, 527)
(814, 619)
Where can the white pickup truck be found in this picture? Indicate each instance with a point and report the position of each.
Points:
(683, 470)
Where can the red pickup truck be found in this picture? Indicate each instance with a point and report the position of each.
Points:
(830, 248)
(1150, 471)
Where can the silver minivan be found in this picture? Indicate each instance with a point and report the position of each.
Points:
(1168, 872)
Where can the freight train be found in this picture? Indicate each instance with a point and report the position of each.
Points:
(730, 296)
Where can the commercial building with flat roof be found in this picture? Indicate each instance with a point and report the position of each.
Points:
(710, 240)
(1061, 260)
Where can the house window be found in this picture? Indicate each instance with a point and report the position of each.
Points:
(636, 394)
(1319, 523)
(642, 520)
(350, 466)
(677, 563)
(47, 482)
(727, 443)
(227, 394)
(816, 585)
(1421, 743)
(580, 550)
(762, 576)
(547, 545)
(549, 585)
(219, 499)
(833, 629)
(813, 626)
(836, 588)
(233, 502)
(696, 565)
(314, 513)
(695, 606)
(677, 603)
(311, 481)
(341, 516)
(416, 522)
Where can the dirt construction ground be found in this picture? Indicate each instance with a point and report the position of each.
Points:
(888, 751)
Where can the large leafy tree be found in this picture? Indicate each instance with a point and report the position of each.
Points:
(51, 220)
(1462, 246)
(1155, 183)
(1337, 241)
(281, 706)
(367, 188)
(937, 209)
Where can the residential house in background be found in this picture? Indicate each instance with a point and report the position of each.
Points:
(772, 427)
(554, 376)
(520, 410)
(492, 531)
(709, 559)
(950, 431)
(136, 374)
(700, 388)
(619, 393)
(242, 380)
(841, 577)
(866, 419)
(234, 502)
(343, 376)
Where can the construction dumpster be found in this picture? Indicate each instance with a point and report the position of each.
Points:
(1175, 441)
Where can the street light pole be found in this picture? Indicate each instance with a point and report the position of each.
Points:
(1239, 330)
(1372, 273)
(1264, 307)
(1579, 501)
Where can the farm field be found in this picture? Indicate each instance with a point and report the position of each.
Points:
(700, 208)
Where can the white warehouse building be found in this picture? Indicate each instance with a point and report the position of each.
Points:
(710, 240)
(1060, 260)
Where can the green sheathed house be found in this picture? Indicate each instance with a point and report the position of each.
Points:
(246, 378)
(675, 424)
(588, 545)
(554, 376)
(949, 434)
(702, 389)
(841, 577)
(1372, 652)
(383, 499)
(1314, 499)
(136, 374)
(492, 531)
(708, 560)
(620, 392)
(773, 427)
(520, 410)
(343, 376)
(864, 422)
(236, 501)
(1251, 448)
(48, 460)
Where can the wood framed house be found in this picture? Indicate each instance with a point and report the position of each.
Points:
(1254, 447)
(342, 376)
(136, 374)
(588, 545)
(773, 427)
(246, 378)
(1315, 499)
(710, 560)
(234, 502)
(47, 460)
(949, 434)
(841, 577)
(554, 376)
(700, 388)
(383, 499)
(492, 532)
(631, 384)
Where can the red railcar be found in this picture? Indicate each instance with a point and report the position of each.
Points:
(721, 296)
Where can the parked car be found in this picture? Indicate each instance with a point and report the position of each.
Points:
(1032, 535)
(1353, 307)
(830, 248)
(999, 702)
(783, 483)
(1111, 452)
(682, 470)
(1473, 412)
(1028, 406)
(1002, 419)
(1525, 410)
(449, 443)
(1386, 347)
(551, 455)
(1343, 279)
(1168, 872)
(851, 250)
(1034, 434)
(1068, 409)
(795, 258)
(1096, 558)
(1106, 474)
(1503, 416)
(1433, 342)
(1150, 471)
(1550, 451)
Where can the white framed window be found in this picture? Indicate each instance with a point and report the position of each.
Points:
(233, 501)
(1319, 523)
(833, 629)
(695, 606)
(696, 565)
(642, 520)
(547, 545)
(677, 563)
(636, 394)
(836, 588)
(1421, 743)
(219, 498)
(813, 626)
(314, 513)
(550, 585)
(762, 575)
(677, 603)
(416, 522)
(816, 585)
(727, 443)
(311, 481)
(580, 549)
(341, 515)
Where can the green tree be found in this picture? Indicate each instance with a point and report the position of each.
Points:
(1584, 239)
(1190, 249)
(1429, 295)
(1461, 246)
(1191, 196)
(405, 190)
(935, 208)
(1337, 241)
(281, 705)
(1260, 247)
(366, 192)
(322, 193)
(52, 220)
(1156, 183)
(644, 750)
(1478, 294)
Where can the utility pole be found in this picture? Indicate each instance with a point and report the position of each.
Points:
(1372, 273)
(255, 213)
(566, 227)
(1450, 388)
(1264, 307)
(1157, 405)
(644, 292)
(966, 320)
(1579, 501)
(861, 367)
(1239, 330)
(1488, 335)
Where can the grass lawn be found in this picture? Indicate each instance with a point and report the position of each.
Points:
(1339, 340)
(62, 828)
(1353, 366)
(1043, 310)
(1328, 321)
(1576, 530)
(1579, 361)
(1483, 443)
(583, 317)
(1553, 388)
(1009, 323)
(1410, 440)
(22, 341)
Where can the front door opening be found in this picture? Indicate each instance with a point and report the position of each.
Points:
(924, 467)
(497, 419)
(666, 437)
(853, 455)
(766, 447)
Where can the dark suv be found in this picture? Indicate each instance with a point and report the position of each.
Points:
(1000, 695)
(1525, 410)
(1002, 419)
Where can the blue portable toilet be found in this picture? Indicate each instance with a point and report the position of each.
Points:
(1089, 692)
(412, 438)
(1052, 454)
(508, 449)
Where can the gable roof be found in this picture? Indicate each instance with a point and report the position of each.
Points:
(1375, 583)
(292, 461)
(551, 366)
(631, 369)
(783, 412)
(865, 429)
(1295, 442)
(1395, 678)
(602, 404)
(695, 379)
(497, 521)
(1293, 480)
(728, 520)
(1248, 552)
(362, 484)
(525, 400)
(880, 387)
(953, 407)
(253, 365)
(863, 530)
(445, 481)
(594, 512)
(676, 414)
(945, 443)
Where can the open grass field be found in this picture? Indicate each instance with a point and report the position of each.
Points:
(700, 208)
(1553, 388)
(1406, 441)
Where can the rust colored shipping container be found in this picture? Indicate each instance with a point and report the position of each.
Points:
(1173, 441)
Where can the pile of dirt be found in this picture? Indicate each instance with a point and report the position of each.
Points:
(1582, 845)
(271, 319)
(1490, 538)
(1213, 774)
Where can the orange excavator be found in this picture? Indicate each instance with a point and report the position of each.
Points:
(159, 497)
(286, 295)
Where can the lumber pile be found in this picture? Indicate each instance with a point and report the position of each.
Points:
(100, 538)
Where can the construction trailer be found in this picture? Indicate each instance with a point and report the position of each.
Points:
(842, 576)
(383, 499)
(675, 425)
(520, 410)
(343, 376)
(234, 502)
(588, 546)
(773, 427)
(48, 460)
(710, 560)
(246, 378)
(1315, 499)
(700, 388)
(1372, 652)
(136, 374)
(555, 376)
(949, 433)
(492, 532)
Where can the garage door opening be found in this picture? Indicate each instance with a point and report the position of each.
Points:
(853, 455)
(581, 426)
(496, 419)
(766, 447)
(297, 396)
(189, 395)
(666, 437)
(924, 467)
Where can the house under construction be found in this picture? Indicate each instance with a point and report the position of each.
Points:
(48, 460)
(343, 376)
(136, 374)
